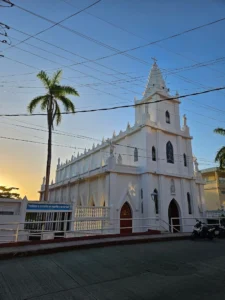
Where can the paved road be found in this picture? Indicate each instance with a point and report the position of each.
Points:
(165, 270)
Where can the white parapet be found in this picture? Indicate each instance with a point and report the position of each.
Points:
(47, 235)
(70, 234)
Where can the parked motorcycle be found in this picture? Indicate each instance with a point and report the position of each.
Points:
(219, 231)
(201, 230)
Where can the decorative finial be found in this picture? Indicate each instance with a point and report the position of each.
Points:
(155, 60)
(93, 146)
(85, 151)
(114, 133)
(195, 164)
(78, 154)
(177, 94)
(128, 125)
(43, 183)
(184, 121)
(111, 148)
(103, 140)
(58, 161)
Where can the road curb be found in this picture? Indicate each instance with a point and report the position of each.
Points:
(67, 246)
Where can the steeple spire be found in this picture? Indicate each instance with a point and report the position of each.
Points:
(155, 81)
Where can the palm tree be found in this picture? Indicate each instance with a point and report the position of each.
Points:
(220, 156)
(49, 102)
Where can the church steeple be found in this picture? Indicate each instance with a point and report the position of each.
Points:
(155, 82)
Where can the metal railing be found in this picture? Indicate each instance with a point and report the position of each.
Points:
(24, 231)
(191, 222)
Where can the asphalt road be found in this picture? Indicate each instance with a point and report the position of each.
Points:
(165, 270)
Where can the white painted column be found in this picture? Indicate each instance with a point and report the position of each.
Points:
(163, 206)
(179, 159)
(183, 201)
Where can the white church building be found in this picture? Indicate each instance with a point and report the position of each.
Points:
(146, 175)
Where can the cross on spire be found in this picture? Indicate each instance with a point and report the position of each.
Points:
(154, 59)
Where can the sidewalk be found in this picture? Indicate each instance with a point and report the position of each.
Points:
(51, 246)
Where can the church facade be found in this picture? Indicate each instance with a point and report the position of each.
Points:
(146, 174)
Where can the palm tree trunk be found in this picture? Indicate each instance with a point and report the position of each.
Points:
(49, 157)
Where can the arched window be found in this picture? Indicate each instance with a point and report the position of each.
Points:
(142, 207)
(153, 154)
(189, 203)
(141, 193)
(167, 117)
(185, 160)
(135, 154)
(156, 200)
(169, 153)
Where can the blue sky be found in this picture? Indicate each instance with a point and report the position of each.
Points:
(23, 164)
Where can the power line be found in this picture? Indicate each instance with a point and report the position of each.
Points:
(124, 52)
(54, 23)
(7, 2)
(54, 132)
(118, 107)
(73, 147)
(80, 136)
(34, 142)
(91, 138)
(134, 34)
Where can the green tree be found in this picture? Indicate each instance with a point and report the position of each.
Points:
(50, 102)
(220, 155)
(7, 192)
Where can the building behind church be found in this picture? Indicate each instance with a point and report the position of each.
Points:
(145, 173)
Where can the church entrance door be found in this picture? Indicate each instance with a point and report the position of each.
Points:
(126, 219)
(173, 212)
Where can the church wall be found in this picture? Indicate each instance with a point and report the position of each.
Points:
(171, 107)
(83, 192)
(136, 139)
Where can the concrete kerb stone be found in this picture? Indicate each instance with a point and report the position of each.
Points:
(59, 246)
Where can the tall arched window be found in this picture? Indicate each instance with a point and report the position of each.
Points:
(141, 193)
(153, 154)
(189, 203)
(185, 160)
(142, 207)
(135, 154)
(169, 153)
(167, 117)
(156, 200)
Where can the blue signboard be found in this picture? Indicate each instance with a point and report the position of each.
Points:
(45, 206)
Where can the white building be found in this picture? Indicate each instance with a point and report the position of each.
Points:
(144, 173)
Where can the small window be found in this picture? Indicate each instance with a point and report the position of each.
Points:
(185, 160)
(167, 117)
(156, 200)
(6, 213)
(141, 193)
(189, 204)
(153, 154)
(135, 154)
(169, 153)
(142, 207)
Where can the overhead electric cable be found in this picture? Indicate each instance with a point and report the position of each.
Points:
(121, 106)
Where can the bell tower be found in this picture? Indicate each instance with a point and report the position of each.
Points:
(161, 113)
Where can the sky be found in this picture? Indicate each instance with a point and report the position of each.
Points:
(103, 29)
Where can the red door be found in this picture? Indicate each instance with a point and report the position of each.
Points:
(126, 219)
